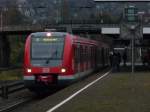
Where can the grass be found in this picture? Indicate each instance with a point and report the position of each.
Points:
(15, 74)
(120, 92)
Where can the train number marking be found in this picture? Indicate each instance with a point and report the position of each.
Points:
(45, 70)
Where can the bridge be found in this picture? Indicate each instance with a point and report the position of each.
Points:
(77, 28)
(66, 27)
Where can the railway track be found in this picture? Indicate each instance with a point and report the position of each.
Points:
(25, 98)
(14, 105)
(13, 94)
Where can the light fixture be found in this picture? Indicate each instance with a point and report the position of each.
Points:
(63, 70)
(48, 34)
(29, 70)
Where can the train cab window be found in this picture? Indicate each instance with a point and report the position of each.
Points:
(47, 51)
(42, 48)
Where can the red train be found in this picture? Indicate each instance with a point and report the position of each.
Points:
(55, 58)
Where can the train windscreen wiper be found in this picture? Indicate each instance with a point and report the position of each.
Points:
(52, 56)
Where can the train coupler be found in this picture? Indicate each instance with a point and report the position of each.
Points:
(45, 79)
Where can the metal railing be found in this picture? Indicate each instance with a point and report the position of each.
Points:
(9, 88)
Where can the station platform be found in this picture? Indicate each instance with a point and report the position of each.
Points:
(138, 67)
(121, 91)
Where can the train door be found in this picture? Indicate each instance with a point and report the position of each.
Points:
(86, 57)
(102, 57)
(94, 57)
(75, 59)
(78, 58)
(81, 58)
(91, 57)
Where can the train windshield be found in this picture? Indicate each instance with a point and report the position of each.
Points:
(47, 48)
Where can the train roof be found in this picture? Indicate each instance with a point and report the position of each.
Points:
(40, 34)
(63, 34)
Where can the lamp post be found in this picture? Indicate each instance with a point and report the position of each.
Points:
(141, 14)
(132, 29)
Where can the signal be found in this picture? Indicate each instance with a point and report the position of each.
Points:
(131, 15)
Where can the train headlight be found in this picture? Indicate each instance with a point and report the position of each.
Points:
(63, 70)
(29, 70)
(48, 34)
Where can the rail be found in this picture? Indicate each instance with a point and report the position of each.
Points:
(9, 88)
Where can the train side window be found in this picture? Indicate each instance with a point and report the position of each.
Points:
(86, 54)
(94, 54)
(91, 54)
(76, 54)
(81, 54)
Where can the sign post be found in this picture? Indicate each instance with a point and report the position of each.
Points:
(132, 46)
(131, 18)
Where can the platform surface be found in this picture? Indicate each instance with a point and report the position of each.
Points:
(121, 91)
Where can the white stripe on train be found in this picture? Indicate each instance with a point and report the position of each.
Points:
(66, 77)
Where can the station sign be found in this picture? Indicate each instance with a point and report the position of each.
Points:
(146, 30)
(110, 30)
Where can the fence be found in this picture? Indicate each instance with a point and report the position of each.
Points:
(9, 88)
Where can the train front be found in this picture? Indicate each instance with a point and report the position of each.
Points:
(43, 59)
